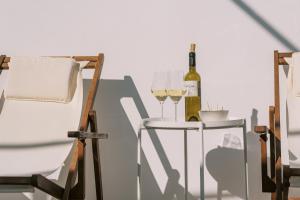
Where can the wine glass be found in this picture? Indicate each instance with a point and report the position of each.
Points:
(158, 88)
(176, 88)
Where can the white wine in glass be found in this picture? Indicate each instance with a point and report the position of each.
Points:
(161, 95)
(176, 88)
(159, 88)
(176, 94)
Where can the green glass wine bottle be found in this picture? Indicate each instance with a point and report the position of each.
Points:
(193, 85)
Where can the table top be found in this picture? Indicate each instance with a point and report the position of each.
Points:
(158, 123)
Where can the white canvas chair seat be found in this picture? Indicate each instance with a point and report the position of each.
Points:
(34, 134)
(294, 163)
(293, 133)
(33, 160)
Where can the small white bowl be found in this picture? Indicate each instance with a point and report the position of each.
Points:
(210, 116)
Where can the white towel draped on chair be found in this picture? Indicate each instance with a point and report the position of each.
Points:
(42, 79)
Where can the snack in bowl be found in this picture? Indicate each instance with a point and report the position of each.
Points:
(215, 115)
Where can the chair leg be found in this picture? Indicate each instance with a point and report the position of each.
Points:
(78, 191)
(286, 183)
(97, 169)
(96, 157)
(278, 170)
(273, 196)
(285, 193)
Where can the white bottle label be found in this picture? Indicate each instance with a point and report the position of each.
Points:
(191, 88)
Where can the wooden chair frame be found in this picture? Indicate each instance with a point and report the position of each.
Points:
(278, 183)
(72, 190)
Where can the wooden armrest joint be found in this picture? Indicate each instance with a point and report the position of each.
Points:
(87, 135)
(2, 58)
(263, 137)
(260, 129)
(272, 109)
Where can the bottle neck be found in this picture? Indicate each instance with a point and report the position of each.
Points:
(192, 61)
(192, 68)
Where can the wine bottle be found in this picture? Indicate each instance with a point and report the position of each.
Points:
(193, 85)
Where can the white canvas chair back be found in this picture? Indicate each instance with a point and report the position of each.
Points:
(282, 134)
(34, 136)
(290, 116)
(35, 132)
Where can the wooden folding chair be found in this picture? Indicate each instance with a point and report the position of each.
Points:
(278, 182)
(73, 189)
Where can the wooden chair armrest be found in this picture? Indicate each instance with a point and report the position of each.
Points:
(265, 133)
(2, 58)
(87, 135)
(267, 183)
(260, 129)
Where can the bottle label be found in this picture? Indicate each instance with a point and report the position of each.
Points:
(192, 88)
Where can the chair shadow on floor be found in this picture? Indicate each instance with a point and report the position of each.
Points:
(225, 165)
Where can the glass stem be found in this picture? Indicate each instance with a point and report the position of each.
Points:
(162, 109)
(175, 111)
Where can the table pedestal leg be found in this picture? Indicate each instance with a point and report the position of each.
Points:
(185, 166)
(245, 160)
(202, 167)
(139, 167)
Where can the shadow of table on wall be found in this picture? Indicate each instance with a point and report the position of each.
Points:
(225, 166)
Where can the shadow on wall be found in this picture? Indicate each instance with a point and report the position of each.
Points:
(226, 166)
(266, 25)
(119, 152)
(119, 155)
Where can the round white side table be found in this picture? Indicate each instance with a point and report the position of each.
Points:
(168, 124)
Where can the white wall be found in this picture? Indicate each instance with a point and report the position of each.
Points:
(235, 56)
